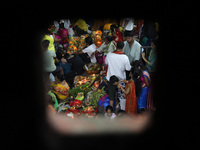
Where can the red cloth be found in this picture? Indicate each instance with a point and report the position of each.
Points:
(118, 52)
(131, 100)
(119, 36)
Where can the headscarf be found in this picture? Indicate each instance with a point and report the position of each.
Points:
(81, 24)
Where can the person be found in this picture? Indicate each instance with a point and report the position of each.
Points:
(62, 34)
(49, 55)
(107, 46)
(112, 88)
(144, 101)
(81, 26)
(120, 94)
(51, 38)
(104, 49)
(109, 113)
(116, 34)
(66, 67)
(151, 62)
(130, 92)
(131, 47)
(128, 25)
(117, 63)
(91, 47)
(76, 67)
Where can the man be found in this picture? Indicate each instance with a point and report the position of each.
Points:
(118, 64)
(131, 48)
(91, 47)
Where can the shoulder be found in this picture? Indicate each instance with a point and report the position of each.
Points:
(125, 42)
(137, 43)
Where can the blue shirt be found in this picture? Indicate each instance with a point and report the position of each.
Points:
(66, 67)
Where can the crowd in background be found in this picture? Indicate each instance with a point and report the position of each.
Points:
(127, 51)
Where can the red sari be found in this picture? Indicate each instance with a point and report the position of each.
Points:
(119, 36)
(131, 100)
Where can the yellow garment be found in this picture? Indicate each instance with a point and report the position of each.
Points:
(81, 24)
(107, 26)
(51, 46)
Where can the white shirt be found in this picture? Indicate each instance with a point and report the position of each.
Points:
(106, 48)
(132, 52)
(89, 50)
(130, 24)
(117, 64)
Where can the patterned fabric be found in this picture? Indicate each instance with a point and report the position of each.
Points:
(121, 94)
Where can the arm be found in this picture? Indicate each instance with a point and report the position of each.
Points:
(143, 57)
(55, 39)
(79, 52)
(126, 22)
(126, 90)
(146, 81)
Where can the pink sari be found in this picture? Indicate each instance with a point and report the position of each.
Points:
(62, 34)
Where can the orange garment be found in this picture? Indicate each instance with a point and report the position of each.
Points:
(131, 100)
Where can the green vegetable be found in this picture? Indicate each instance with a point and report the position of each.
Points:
(85, 88)
(95, 96)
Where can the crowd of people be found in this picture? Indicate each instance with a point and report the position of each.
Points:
(128, 67)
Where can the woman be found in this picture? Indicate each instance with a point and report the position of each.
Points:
(51, 38)
(151, 62)
(117, 35)
(144, 100)
(130, 92)
(62, 34)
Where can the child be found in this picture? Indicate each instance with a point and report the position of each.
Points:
(121, 96)
(109, 113)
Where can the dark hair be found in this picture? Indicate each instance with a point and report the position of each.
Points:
(79, 30)
(61, 25)
(136, 73)
(109, 38)
(109, 107)
(88, 40)
(45, 44)
(120, 45)
(138, 63)
(59, 55)
(122, 112)
(66, 56)
(129, 34)
(113, 79)
(112, 27)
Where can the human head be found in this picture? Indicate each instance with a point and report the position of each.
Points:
(59, 55)
(114, 80)
(109, 110)
(88, 40)
(120, 45)
(139, 65)
(121, 113)
(78, 31)
(112, 28)
(135, 72)
(108, 39)
(45, 44)
(129, 37)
